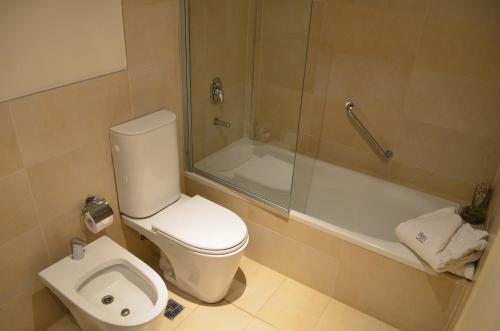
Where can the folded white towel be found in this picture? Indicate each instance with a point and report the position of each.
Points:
(466, 245)
(443, 240)
(465, 271)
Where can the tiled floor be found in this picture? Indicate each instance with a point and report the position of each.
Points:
(261, 299)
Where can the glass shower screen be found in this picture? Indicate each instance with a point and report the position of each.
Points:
(245, 63)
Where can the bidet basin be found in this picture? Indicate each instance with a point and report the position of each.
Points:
(109, 289)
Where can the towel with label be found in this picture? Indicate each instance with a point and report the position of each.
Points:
(444, 241)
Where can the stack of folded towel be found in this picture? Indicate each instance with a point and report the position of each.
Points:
(444, 241)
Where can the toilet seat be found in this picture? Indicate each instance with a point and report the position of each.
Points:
(204, 251)
(202, 226)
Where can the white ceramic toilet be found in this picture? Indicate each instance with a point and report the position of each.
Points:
(201, 242)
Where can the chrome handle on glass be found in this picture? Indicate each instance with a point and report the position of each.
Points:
(386, 154)
(216, 92)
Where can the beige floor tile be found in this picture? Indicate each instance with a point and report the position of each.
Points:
(258, 325)
(253, 285)
(338, 316)
(219, 317)
(66, 323)
(294, 307)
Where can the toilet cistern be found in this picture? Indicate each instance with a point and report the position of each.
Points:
(201, 243)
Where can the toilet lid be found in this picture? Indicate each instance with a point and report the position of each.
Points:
(202, 224)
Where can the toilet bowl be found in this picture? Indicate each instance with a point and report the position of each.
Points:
(201, 243)
(109, 289)
(200, 253)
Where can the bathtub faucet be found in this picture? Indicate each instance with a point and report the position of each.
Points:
(218, 122)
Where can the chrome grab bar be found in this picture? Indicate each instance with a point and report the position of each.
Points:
(219, 122)
(386, 154)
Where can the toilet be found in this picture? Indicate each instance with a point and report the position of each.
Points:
(201, 243)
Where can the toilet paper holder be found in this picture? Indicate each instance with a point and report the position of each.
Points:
(98, 213)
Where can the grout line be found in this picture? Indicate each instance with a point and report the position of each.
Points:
(272, 294)
(30, 188)
(322, 313)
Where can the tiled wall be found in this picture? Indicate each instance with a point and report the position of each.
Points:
(54, 151)
(425, 78)
(397, 294)
(221, 34)
(280, 56)
(480, 312)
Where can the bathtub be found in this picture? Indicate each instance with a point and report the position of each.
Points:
(358, 213)
(352, 206)
(358, 208)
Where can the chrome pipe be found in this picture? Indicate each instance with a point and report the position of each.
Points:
(386, 154)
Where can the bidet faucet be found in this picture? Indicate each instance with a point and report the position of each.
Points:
(77, 248)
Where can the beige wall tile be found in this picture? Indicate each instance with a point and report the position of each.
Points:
(443, 151)
(293, 307)
(58, 121)
(428, 61)
(9, 150)
(446, 187)
(16, 206)
(365, 161)
(58, 233)
(311, 114)
(464, 105)
(21, 259)
(151, 31)
(308, 145)
(461, 39)
(61, 184)
(292, 258)
(155, 86)
(220, 47)
(63, 141)
(394, 293)
(33, 311)
(388, 34)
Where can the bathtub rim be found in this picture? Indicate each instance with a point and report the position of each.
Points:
(393, 250)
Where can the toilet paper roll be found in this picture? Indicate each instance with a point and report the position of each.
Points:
(97, 227)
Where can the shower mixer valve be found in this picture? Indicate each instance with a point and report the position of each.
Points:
(216, 92)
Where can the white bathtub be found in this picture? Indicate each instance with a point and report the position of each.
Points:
(358, 208)
(352, 206)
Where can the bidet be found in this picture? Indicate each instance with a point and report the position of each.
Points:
(108, 289)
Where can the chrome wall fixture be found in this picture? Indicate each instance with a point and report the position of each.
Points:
(386, 154)
(216, 92)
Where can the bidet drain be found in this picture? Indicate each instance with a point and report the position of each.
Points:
(107, 299)
(125, 312)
